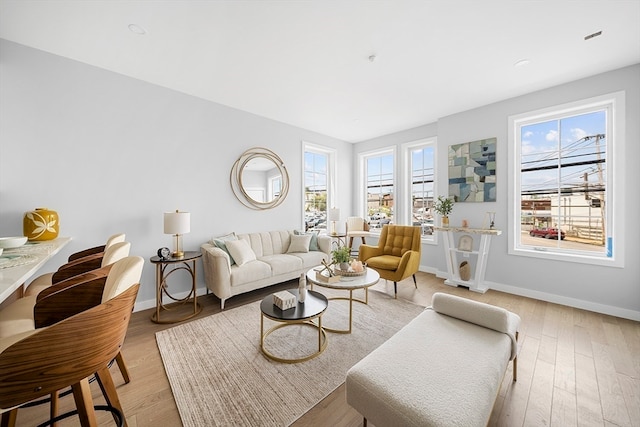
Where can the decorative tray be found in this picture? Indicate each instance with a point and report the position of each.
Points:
(349, 273)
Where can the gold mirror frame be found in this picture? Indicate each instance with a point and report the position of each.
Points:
(237, 186)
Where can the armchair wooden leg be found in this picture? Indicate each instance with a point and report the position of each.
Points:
(414, 281)
(105, 380)
(84, 403)
(395, 290)
(123, 368)
(364, 422)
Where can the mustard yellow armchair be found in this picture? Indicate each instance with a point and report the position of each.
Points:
(397, 255)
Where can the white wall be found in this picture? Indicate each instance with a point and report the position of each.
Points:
(111, 154)
(603, 289)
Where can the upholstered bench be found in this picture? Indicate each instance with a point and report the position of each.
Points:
(443, 369)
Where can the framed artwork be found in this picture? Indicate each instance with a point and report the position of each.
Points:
(472, 171)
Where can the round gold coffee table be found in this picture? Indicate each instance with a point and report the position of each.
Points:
(313, 307)
(349, 283)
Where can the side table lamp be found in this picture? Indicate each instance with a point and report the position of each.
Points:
(177, 223)
(334, 216)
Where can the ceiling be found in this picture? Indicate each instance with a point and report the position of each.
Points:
(310, 64)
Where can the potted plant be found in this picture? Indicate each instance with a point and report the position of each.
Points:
(443, 206)
(341, 256)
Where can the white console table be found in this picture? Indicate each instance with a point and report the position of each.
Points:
(480, 251)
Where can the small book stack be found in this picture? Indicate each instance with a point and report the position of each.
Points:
(284, 300)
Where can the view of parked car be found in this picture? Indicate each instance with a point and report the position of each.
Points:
(547, 233)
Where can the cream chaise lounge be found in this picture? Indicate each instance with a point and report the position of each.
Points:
(444, 368)
(235, 264)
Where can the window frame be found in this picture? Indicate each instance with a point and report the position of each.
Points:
(362, 199)
(332, 176)
(407, 188)
(614, 104)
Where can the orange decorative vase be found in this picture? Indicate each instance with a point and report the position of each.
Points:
(41, 224)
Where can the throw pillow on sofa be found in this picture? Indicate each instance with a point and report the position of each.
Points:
(313, 244)
(220, 242)
(241, 251)
(299, 243)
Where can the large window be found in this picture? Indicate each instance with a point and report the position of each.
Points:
(318, 178)
(563, 185)
(379, 179)
(421, 165)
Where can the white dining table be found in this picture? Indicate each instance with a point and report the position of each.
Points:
(21, 263)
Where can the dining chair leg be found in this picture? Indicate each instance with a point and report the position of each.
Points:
(84, 403)
(53, 409)
(123, 368)
(105, 380)
(9, 418)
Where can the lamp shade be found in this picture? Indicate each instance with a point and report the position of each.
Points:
(177, 222)
(334, 214)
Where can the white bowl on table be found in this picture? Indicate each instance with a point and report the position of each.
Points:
(12, 242)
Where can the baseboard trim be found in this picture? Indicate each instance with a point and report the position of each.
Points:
(559, 299)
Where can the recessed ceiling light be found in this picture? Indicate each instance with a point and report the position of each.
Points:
(137, 29)
(521, 63)
(372, 58)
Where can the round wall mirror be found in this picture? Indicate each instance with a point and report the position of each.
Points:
(259, 179)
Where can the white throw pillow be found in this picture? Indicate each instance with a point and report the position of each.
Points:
(240, 251)
(299, 243)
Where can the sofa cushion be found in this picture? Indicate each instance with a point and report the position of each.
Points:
(282, 263)
(313, 244)
(241, 251)
(220, 242)
(250, 272)
(299, 243)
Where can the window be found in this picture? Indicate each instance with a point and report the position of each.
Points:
(319, 174)
(379, 182)
(563, 186)
(421, 172)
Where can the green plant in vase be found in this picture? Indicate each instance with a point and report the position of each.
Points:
(341, 255)
(443, 206)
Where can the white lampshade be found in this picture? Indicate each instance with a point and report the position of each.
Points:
(177, 222)
(334, 214)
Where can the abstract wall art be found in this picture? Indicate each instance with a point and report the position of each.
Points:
(472, 171)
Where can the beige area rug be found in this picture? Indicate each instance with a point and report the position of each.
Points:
(219, 376)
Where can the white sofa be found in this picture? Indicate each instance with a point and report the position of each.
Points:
(444, 368)
(273, 260)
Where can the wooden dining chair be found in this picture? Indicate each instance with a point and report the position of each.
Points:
(112, 253)
(43, 361)
(113, 239)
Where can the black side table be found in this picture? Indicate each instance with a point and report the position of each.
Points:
(165, 267)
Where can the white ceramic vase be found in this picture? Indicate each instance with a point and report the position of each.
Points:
(302, 288)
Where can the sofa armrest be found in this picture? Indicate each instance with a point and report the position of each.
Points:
(217, 270)
(324, 243)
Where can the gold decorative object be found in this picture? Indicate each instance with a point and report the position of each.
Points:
(41, 224)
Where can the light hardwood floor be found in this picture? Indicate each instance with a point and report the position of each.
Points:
(575, 367)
